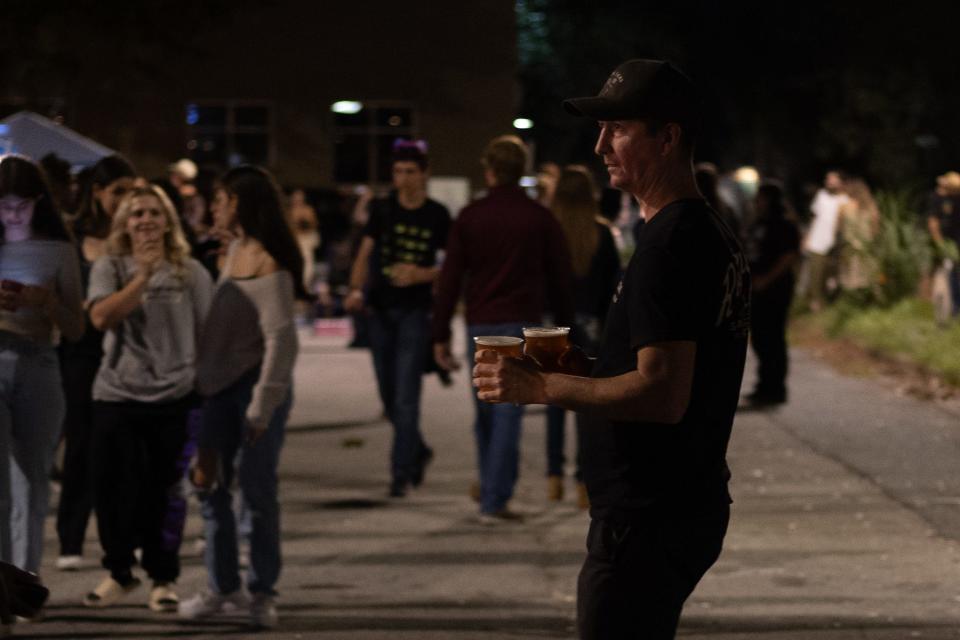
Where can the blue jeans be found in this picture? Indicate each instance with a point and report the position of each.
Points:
(399, 339)
(31, 415)
(255, 465)
(497, 431)
(586, 335)
(556, 418)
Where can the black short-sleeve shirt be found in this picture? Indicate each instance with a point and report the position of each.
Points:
(768, 240)
(688, 280)
(402, 235)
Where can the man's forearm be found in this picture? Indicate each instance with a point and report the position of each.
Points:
(627, 397)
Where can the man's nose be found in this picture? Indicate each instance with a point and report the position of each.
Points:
(603, 142)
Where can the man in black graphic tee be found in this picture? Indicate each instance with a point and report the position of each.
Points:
(660, 399)
(392, 277)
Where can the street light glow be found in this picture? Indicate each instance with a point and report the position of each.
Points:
(523, 123)
(348, 107)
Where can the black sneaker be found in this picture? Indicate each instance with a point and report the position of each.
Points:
(423, 461)
(398, 489)
(764, 399)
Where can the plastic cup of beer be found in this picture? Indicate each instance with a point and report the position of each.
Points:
(546, 345)
(506, 346)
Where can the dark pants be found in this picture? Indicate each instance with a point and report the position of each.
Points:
(76, 495)
(954, 280)
(637, 575)
(398, 342)
(135, 451)
(768, 326)
(176, 516)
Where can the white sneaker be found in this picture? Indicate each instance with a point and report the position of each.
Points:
(69, 563)
(263, 611)
(207, 603)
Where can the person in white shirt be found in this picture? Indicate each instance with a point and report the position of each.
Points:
(822, 235)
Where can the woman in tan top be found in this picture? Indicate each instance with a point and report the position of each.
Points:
(859, 223)
(244, 371)
(40, 300)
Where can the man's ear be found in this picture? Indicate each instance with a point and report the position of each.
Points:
(670, 135)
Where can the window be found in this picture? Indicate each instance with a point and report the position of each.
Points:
(363, 140)
(229, 133)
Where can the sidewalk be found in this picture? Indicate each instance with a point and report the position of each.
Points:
(816, 549)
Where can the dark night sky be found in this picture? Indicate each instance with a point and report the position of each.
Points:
(791, 87)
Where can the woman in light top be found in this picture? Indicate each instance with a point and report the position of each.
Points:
(244, 372)
(150, 298)
(40, 300)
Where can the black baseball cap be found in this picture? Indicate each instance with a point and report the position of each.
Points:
(640, 89)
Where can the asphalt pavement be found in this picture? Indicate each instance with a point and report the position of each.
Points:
(846, 525)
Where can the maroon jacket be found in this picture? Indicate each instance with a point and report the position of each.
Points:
(509, 256)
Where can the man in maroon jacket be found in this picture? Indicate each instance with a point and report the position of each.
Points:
(508, 255)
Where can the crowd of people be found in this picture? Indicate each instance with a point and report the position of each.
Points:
(112, 332)
(153, 325)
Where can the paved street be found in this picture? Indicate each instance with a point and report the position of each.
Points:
(846, 525)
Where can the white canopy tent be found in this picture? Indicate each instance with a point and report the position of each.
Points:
(34, 136)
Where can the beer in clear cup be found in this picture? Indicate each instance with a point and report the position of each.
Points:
(506, 346)
(546, 345)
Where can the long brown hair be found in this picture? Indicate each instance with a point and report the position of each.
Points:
(22, 178)
(575, 205)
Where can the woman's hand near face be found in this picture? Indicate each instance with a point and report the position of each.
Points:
(148, 254)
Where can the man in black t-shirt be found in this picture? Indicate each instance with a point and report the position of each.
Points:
(392, 277)
(660, 399)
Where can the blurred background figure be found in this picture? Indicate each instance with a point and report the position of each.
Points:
(708, 183)
(40, 297)
(859, 224)
(773, 249)
(392, 280)
(821, 237)
(943, 222)
(60, 180)
(547, 182)
(182, 175)
(306, 230)
(107, 183)
(596, 269)
(509, 256)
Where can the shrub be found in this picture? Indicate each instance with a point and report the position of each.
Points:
(901, 247)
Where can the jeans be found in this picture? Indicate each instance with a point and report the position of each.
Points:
(398, 341)
(255, 465)
(76, 492)
(135, 448)
(497, 431)
(586, 335)
(556, 438)
(31, 415)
